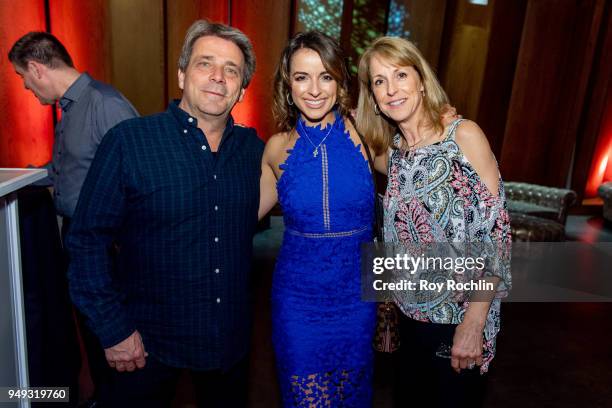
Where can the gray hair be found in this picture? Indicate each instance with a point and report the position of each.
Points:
(202, 28)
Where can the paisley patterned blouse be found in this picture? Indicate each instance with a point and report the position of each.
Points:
(435, 195)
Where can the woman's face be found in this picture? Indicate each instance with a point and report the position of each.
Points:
(313, 89)
(398, 91)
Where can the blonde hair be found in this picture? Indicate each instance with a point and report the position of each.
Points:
(379, 130)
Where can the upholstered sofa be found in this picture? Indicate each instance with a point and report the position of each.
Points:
(538, 213)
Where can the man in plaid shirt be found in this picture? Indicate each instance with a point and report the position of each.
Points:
(178, 192)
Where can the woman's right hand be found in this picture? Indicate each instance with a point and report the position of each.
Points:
(467, 346)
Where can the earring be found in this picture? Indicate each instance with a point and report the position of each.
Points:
(376, 110)
(289, 101)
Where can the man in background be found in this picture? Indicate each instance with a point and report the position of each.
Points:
(89, 108)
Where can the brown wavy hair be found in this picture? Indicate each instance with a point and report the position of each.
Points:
(333, 60)
(378, 130)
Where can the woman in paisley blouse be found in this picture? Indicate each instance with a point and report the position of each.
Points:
(443, 186)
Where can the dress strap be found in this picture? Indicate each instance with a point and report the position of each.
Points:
(453, 129)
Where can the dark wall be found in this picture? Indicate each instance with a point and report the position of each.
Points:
(535, 76)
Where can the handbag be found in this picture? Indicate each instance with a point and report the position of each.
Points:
(386, 335)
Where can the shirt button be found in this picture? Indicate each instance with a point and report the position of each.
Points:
(216, 238)
(215, 176)
(203, 147)
(216, 208)
(190, 120)
(217, 270)
(218, 300)
(184, 130)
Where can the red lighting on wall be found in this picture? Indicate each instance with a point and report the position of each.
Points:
(246, 112)
(608, 174)
(255, 110)
(82, 26)
(601, 168)
(26, 134)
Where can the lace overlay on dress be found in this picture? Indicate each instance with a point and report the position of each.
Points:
(337, 388)
(321, 329)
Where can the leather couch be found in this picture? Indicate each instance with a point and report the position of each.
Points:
(538, 213)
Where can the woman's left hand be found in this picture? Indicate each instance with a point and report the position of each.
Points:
(449, 115)
(467, 346)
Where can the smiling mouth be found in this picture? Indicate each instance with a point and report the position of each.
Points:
(397, 102)
(214, 93)
(314, 103)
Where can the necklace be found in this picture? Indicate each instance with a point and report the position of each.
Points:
(411, 149)
(315, 152)
(413, 146)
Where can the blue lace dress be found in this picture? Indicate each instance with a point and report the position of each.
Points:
(322, 330)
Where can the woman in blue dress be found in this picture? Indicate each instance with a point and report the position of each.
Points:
(318, 171)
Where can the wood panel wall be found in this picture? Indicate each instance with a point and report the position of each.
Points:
(138, 52)
(534, 75)
(554, 65)
(426, 24)
(464, 60)
(497, 82)
(594, 141)
(477, 61)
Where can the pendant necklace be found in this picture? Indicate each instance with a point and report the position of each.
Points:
(315, 152)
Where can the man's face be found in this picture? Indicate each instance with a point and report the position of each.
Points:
(212, 82)
(34, 80)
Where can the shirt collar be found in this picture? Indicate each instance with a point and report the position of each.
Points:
(75, 90)
(187, 120)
